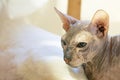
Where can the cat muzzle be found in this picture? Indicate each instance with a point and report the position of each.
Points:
(67, 59)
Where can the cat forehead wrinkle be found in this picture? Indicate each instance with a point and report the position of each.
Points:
(73, 31)
(83, 36)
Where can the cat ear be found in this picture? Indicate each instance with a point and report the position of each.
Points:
(66, 20)
(100, 23)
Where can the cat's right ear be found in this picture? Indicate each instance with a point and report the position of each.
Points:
(66, 20)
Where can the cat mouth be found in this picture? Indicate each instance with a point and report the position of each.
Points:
(69, 63)
(75, 62)
(74, 66)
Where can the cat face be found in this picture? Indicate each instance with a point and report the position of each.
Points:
(79, 45)
(82, 41)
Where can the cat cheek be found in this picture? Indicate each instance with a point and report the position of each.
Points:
(76, 62)
(78, 57)
(64, 47)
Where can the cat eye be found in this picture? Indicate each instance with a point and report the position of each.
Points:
(81, 44)
(63, 42)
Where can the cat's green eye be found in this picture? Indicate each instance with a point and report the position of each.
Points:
(81, 44)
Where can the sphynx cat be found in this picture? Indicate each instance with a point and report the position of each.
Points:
(88, 44)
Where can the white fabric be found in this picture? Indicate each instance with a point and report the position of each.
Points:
(28, 52)
(32, 53)
(18, 8)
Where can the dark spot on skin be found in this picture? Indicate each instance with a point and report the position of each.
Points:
(101, 27)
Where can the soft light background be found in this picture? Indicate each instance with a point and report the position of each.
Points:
(37, 12)
(47, 19)
(22, 38)
(26, 51)
(111, 6)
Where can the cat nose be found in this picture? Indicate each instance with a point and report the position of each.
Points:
(67, 59)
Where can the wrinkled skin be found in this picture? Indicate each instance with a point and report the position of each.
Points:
(89, 45)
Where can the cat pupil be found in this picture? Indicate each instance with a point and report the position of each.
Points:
(63, 42)
(81, 44)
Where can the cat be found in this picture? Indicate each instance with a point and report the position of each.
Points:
(87, 44)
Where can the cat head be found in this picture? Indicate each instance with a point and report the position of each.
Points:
(83, 40)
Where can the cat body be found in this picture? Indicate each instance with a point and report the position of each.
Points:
(88, 45)
(106, 64)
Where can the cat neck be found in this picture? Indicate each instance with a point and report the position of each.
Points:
(102, 59)
(107, 54)
(107, 57)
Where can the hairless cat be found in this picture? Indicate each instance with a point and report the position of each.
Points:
(88, 44)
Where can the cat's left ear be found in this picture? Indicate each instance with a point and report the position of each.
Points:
(100, 23)
(66, 20)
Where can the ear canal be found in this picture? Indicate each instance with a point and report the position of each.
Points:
(100, 23)
(66, 20)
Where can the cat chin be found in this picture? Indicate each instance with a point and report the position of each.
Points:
(74, 66)
(76, 63)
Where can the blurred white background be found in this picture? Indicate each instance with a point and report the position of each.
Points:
(47, 18)
(26, 51)
(41, 12)
(28, 43)
(112, 7)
